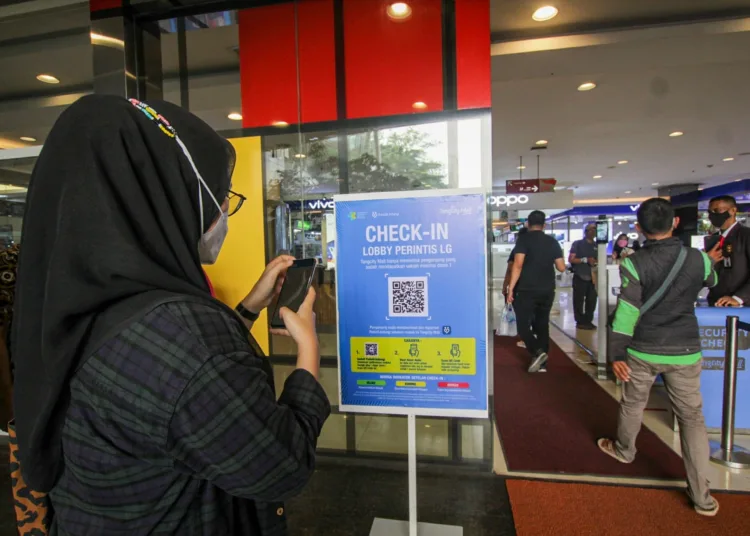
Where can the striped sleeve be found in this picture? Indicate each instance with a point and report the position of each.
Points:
(710, 279)
(228, 428)
(628, 310)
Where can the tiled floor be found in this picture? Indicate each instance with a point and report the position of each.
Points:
(656, 419)
(477, 503)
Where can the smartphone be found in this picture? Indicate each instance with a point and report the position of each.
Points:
(710, 241)
(298, 279)
(602, 232)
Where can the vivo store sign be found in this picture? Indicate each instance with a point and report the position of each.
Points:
(552, 200)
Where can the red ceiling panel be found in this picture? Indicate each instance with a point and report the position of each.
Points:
(473, 54)
(390, 65)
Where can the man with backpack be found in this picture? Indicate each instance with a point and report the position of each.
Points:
(655, 331)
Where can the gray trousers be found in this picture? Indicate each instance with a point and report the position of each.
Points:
(683, 387)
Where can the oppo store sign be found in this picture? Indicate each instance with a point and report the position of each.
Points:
(552, 200)
(508, 200)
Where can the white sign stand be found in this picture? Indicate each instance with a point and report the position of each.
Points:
(390, 527)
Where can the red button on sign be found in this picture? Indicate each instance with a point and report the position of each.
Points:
(453, 385)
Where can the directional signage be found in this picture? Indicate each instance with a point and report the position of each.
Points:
(530, 186)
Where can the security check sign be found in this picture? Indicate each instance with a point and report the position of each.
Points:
(411, 288)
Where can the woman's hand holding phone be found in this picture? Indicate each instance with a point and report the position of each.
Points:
(300, 326)
(269, 284)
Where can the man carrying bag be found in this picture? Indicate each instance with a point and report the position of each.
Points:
(655, 331)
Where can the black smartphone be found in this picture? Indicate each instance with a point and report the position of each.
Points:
(298, 279)
(710, 241)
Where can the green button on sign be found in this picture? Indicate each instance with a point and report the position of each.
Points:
(378, 383)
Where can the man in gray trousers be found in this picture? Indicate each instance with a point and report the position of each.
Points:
(655, 331)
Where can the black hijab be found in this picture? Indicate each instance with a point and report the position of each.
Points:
(111, 230)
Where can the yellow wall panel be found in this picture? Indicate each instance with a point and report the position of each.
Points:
(243, 256)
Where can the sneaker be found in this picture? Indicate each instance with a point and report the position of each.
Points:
(539, 362)
(607, 446)
(710, 512)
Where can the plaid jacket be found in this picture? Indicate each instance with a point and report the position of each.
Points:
(174, 428)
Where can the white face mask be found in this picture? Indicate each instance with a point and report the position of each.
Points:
(211, 241)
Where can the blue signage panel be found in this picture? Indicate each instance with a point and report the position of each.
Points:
(712, 324)
(411, 288)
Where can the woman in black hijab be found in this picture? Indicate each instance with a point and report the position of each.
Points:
(142, 404)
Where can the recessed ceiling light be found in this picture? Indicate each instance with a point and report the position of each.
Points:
(627, 191)
(622, 162)
(542, 142)
(729, 159)
(586, 86)
(419, 105)
(27, 138)
(521, 167)
(399, 11)
(234, 116)
(545, 13)
(654, 184)
(300, 155)
(737, 180)
(676, 134)
(47, 79)
(597, 176)
(275, 123)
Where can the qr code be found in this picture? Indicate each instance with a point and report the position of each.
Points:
(371, 349)
(407, 296)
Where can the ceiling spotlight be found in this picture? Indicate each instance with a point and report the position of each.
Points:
(545, 13)
(399, 11)
(622, 162)
(419, 105)
(27, 138)
(47, 79)
(729, 159)
(586, 86)
(234, 116)
(676, 134)
(542, 142)
(275, 123)
(597, 176)
(521, 167)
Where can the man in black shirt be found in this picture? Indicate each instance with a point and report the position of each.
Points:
(532, 287)
(583, 259)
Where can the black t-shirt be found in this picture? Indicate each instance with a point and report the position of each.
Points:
(541, 252)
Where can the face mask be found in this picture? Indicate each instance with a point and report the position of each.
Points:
(718, 219)
(622, 243)
(210, 243)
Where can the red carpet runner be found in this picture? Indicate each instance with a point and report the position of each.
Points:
(550, 422)
(567, 509)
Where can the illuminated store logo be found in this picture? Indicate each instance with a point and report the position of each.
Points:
(319, 204)
(508, 200)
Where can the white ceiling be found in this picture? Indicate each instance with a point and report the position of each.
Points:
(692, 81)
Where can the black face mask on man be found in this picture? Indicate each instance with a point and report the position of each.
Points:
(718, 219)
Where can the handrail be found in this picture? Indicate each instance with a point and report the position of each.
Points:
(726, 455)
